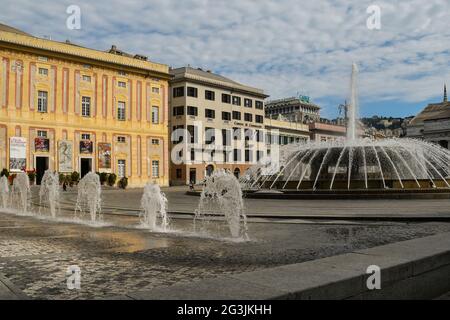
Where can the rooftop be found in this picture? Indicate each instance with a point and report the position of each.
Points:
(207, 76)
(291, 101)
(433, 111)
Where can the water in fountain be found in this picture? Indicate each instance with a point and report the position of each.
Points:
(89, 196)
(21, 194)
(356, 163)
(222, 195)
(4, 191)
(154, 208)
(49, 192)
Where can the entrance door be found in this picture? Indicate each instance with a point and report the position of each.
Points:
(41, 166)
(193, 176)
(86, 166)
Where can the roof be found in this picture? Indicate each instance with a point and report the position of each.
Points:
(290, 101)
(433, 111)
(200, 75)
(4, 27)
(11, 38)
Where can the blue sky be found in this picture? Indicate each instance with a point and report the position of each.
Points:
(282, 46)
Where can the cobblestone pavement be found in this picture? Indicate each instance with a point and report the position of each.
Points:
(114, 260)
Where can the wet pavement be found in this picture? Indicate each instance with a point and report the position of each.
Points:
(120, 258)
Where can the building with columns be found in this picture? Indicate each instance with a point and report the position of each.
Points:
(69, 108)
(432, 123)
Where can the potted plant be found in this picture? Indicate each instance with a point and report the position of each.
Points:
(103, 178)
(123, 183)
(112, 179)
(74, 177)
(32, 176)
(5, 173)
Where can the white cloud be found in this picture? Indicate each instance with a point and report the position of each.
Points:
(283, 46)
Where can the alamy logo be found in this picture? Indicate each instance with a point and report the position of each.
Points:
(73, 21)
(373, 22)
(73, 274)
(374, 280)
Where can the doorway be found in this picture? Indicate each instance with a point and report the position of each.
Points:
(85, 166)
(193, 176)
(41, 166)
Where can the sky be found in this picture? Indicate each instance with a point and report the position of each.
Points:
(286, 47)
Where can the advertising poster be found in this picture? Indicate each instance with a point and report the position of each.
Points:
(41, 144)
(17, 154)
(104, 156)
(65, 156)
(86, 147)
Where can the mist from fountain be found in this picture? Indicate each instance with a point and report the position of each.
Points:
(89, 196)
(4, 191)
(20, 194)
(154, 208)
(222, 196)
(49, 193)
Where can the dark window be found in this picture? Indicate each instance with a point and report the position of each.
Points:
(209, 135)
(209, 113)
(226, 156)
(248, 103)
(210, 95)
(192, 111)
(236, 101)
(237, 133)
(226, 98)
(178, 134)
(248, 134)
(259, 105)
(226, 115)
(259, 136)
(248, 117)
(248, 155)
(236, 155)
(236, 115)
(178, 92)
(178, 111)
(259, 119)
(192, 92)
(192, 130)
(259, 155)
(226, 137)
(192, 155)
(179, 173)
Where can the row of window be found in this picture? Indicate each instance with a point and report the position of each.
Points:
(86, 107)
(211, 96)
(121, 168)
(227, 135)
(236, 155)
(211, 114)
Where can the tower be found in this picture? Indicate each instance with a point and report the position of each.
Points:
(445, 93)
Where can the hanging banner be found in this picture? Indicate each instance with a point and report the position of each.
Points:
(41, 144)
(65, 156)
(86, 146)
(104, 156)
(17, 154)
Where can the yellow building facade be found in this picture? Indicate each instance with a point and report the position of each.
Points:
(68, 108)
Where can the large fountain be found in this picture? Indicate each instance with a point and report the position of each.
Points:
(222, 197)
(4, 191)
(357, 165)
(21, 194)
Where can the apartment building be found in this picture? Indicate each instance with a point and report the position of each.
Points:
(216, 123)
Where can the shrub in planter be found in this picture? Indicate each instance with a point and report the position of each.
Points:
(112, 179)
(123, 183)
(5, 173)
(31, 176)
(103, 178)
(62, 178)
(74, 177)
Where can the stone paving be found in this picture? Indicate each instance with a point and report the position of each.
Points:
(115, 260)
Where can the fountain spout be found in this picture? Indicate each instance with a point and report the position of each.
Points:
(353, 107)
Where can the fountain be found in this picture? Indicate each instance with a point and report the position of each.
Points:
(222, 196)
(49, 192)
(20, 193)
(89, 196)
(154, 207)
(4, 191)
(358, 165)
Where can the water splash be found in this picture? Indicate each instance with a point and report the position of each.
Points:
(353, 107)
(222, 196)
(4, 191)
(49, 193)
(154, 208)
(89, 196)
(21, 194)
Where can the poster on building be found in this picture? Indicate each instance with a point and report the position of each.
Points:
(41, 144)
(86, 147)
(104, 156)
(65, 156)
(17, 154)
